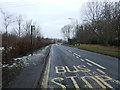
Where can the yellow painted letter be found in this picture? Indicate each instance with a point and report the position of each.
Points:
(60, 69)
(83, 68)
(76, 70)
(103, 80)
(89, 85)
(59, 84)
(73, 80)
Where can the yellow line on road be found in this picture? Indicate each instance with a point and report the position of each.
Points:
(59, 78)
(100, 71)
(74, 81)
(103, 79)
(46, 74)
(89, 64)
(88, 84)
(117, 81)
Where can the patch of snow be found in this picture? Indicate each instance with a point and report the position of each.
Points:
(8, 65)
(30, 59)
(30, 55)
(2, 48)
(17, 59)
(5, 65)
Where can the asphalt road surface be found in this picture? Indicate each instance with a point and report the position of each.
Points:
(76, 68)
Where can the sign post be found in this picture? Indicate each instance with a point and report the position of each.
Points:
(32, 28)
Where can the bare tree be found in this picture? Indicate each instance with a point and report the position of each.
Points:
(66, 30)
(19, 20)
(103, 21)
(93, 11)
(7, 19)
(27, 27)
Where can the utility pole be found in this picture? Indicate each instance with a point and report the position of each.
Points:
(32, 28)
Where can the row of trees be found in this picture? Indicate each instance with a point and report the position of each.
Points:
(16, 36)
(101, 24)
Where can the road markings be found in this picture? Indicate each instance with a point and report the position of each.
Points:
(100, 71)
(60, 69)
(76, 54)
(44, 83)
(117, 81)
(104, 80)
(74, 81)
(88, 84)
(83, 68)
(81, 59)
(101, 80)
(69, 51)
(95, 64)
(89, 64)
(76, 70)
(77, 57)
(73, 69)
(59, 84)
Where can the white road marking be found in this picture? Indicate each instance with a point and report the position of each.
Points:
(70, 51)
(100, 71)
(77, 54)
(77, 57)
(89, 64)
(95, 64)
(81, 59)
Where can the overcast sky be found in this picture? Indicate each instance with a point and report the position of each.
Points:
(51, 15)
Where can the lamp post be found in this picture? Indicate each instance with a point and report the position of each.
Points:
(76, 21)
(75, 25)
(32, 28)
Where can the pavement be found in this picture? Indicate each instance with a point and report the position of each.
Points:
(76, 68)
(30, 74)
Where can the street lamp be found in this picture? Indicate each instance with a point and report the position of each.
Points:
(32, 28)
(76, 21)
(75, 25)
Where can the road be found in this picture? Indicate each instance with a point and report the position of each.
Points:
(76, 68)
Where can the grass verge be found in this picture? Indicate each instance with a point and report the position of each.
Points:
(98, 50)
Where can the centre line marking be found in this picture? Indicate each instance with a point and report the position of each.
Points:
(100, 71)
(77, 54)
(74, 53)
(81, 59)
(89, 64)
(95, 64)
